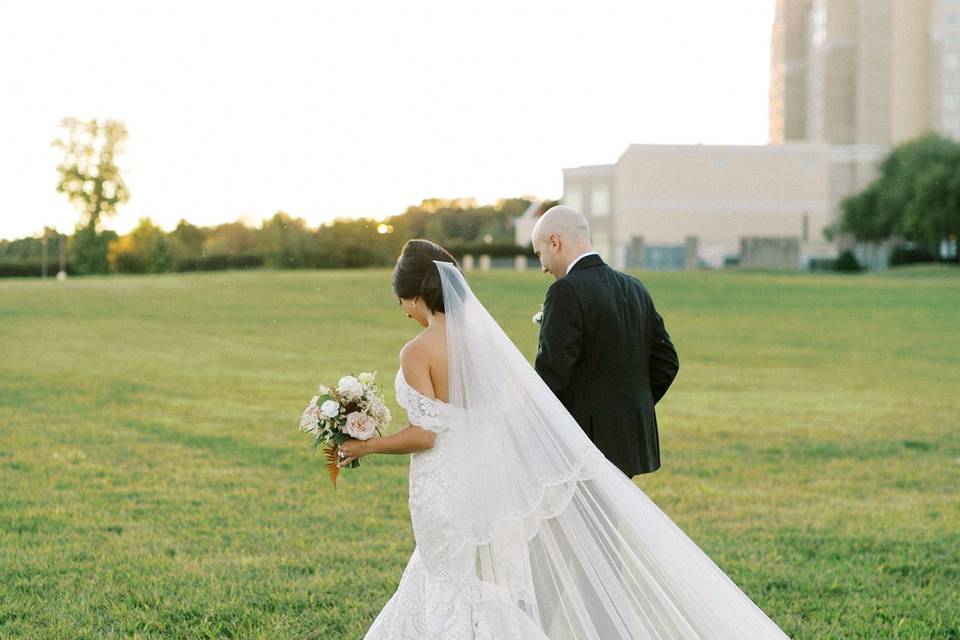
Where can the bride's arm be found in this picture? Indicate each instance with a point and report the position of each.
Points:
(411, 438)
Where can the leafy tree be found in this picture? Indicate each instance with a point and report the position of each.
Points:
(916, 196)
(88, 249)
(186, 242)
(90, 178)
(353, 243)
(284, 241)
(232, 238)
(143, 250)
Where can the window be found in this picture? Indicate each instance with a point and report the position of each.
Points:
(600, 201)
(573, 197)
(818, 26)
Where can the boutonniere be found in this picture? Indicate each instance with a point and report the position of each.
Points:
(538, 316)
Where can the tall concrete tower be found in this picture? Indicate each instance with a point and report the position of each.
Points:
(864, 72)
(788, 72)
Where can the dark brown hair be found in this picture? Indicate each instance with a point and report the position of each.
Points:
(417, 275)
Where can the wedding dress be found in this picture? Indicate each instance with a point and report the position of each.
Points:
(524, 531)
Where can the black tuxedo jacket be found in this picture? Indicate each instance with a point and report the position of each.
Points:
(606, 354)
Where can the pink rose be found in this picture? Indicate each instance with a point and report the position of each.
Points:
(360, 426)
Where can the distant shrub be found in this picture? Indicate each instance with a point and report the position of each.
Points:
(848, 262)
(219, 262)
(498, 250)
(28, 269)
(823, 264)
(910, 254)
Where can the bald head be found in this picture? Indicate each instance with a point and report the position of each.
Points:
(566, 222)
(559, 237)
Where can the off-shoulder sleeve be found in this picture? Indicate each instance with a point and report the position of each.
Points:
(421, 411)
(426, 412)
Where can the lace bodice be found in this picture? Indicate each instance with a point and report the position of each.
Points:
(428, 413)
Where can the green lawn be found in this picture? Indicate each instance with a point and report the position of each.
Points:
(153, 483)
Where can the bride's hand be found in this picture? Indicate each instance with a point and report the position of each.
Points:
(351, 450)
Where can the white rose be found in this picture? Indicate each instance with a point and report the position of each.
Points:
(367, 378)
(349, 387)
(538, 317)
(330, 408)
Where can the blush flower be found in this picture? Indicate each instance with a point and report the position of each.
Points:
(310, 420)
(360, 426)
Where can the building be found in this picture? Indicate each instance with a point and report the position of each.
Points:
(864, 72)
(848, 79)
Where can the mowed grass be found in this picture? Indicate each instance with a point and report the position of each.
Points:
(153, 483)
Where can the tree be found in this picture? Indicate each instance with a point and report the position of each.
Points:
(90, 178)
(353, 243)
(915, 197)
(186, 242)
(143, 250)
(284, 241)
(232, 238)
(88, 249)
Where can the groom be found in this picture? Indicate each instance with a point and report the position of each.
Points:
(604, 351)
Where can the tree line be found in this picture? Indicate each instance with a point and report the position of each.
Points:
(281, 242)
(91, 180)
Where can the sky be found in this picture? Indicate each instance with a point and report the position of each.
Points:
(361, 108)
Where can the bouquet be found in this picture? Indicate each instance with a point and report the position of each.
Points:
(352, 409)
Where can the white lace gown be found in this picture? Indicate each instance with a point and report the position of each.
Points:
(429, 603)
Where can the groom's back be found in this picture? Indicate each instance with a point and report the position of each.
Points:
(623, 366)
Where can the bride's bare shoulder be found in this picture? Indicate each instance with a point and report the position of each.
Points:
(415, 363)
(420, 357)
(428, 344)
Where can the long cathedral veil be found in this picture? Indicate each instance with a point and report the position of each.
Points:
(555, 537)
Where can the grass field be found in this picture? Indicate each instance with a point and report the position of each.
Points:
(153, 483)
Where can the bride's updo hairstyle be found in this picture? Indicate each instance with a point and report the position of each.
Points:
(417, 275)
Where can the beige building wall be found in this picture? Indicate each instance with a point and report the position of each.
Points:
(666, 193)
(910, 75)
(590, 190)
(894, 71)
(943, 104)
(874, 59)
(788, 71)
(832, 60)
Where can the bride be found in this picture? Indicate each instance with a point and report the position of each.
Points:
(524, 531)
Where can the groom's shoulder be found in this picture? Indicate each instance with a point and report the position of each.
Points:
(629, 281)
(562, 287)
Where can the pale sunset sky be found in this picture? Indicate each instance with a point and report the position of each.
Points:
(360, 108)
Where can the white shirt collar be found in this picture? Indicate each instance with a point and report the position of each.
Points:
(577, 259)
